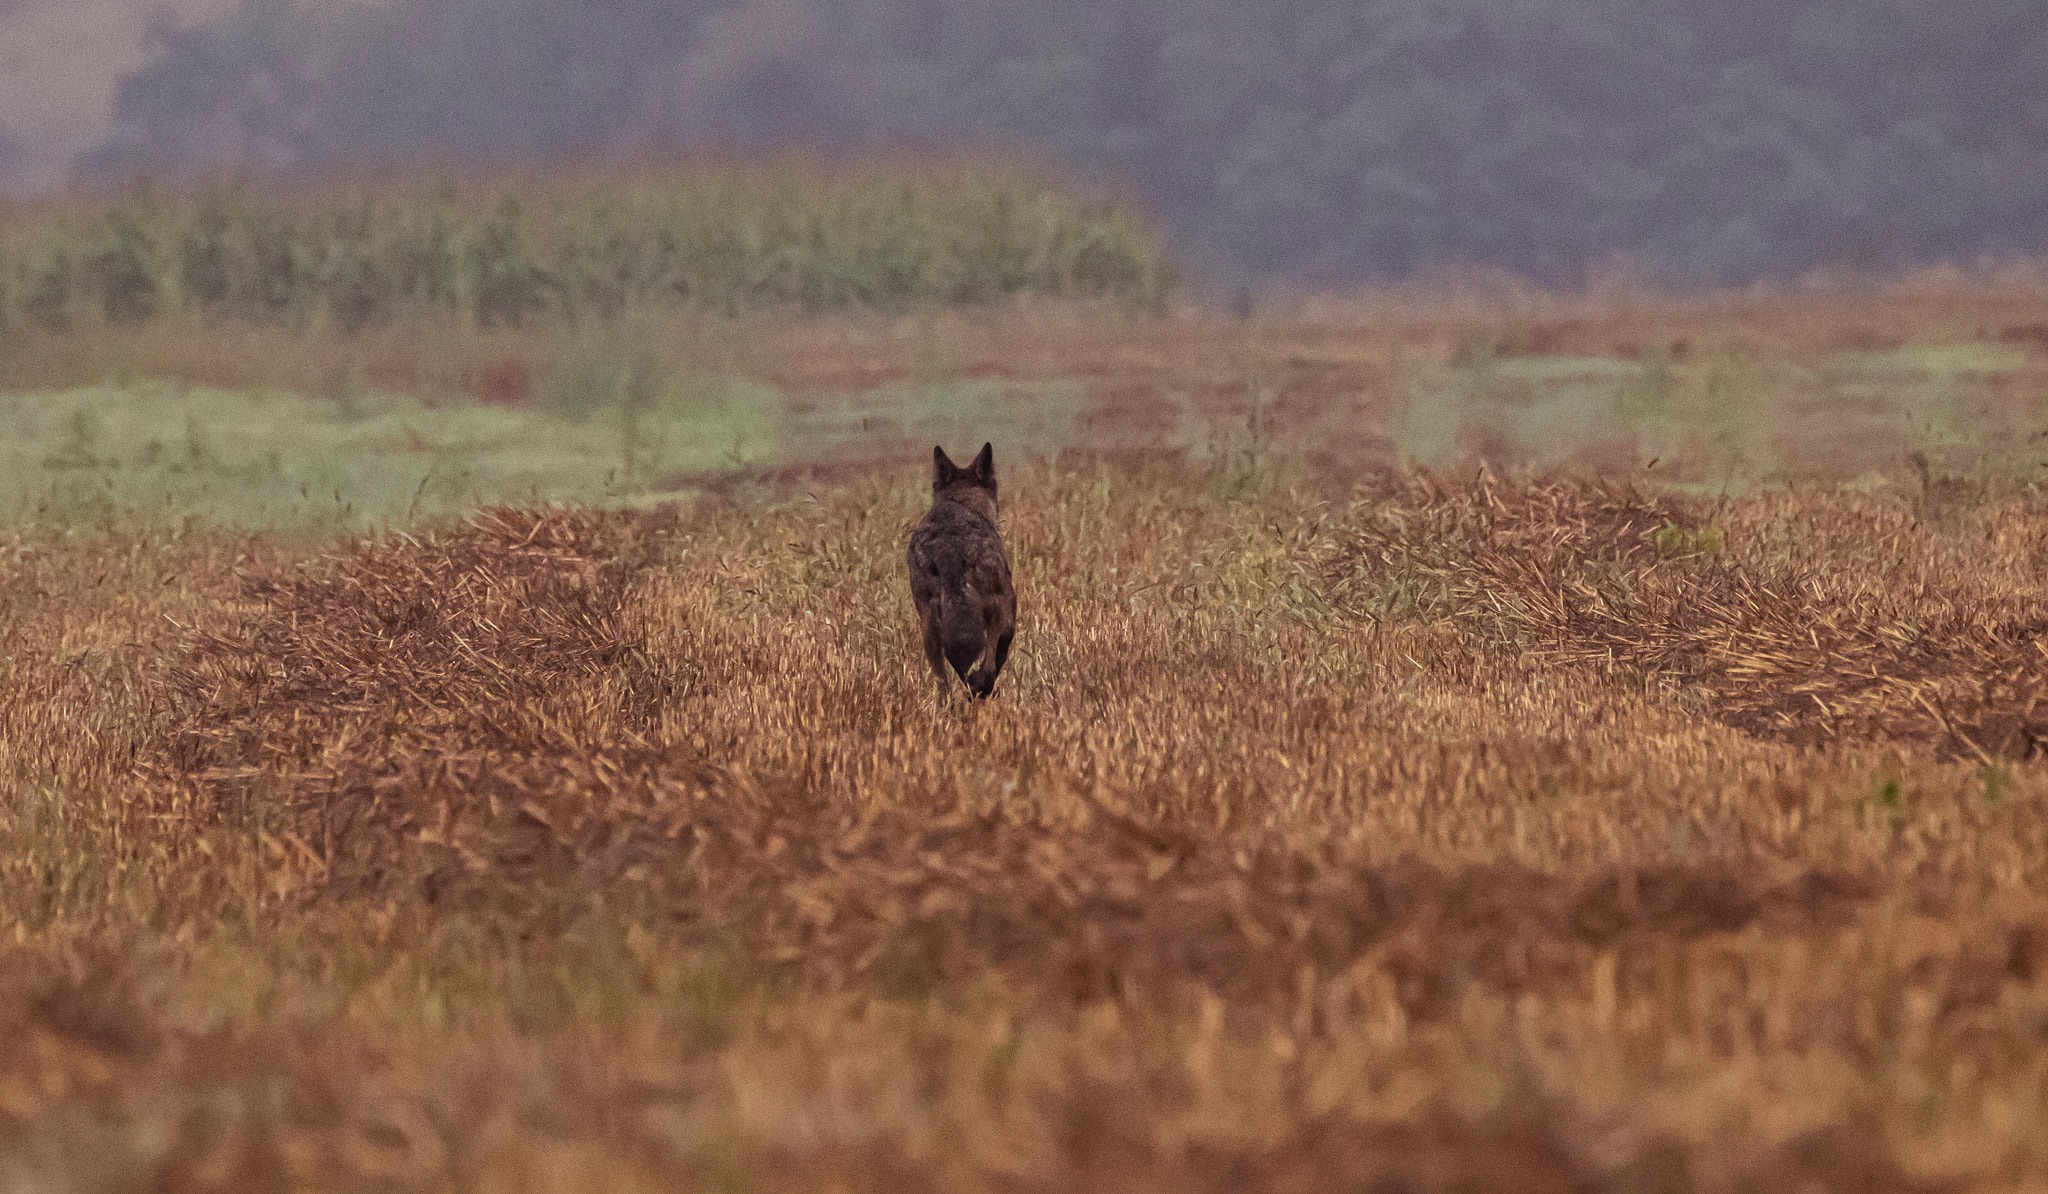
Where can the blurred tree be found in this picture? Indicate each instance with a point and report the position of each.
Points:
(13, 160)
(1326, 141)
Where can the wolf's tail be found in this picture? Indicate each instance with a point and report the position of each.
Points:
(960, 631)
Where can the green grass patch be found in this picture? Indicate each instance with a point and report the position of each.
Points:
(1565, 369)
(603, 429)
(1723, 416)
(1933, 360)
(274, 459)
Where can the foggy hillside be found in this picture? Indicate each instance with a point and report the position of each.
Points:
(1319, 141)
(60, 62)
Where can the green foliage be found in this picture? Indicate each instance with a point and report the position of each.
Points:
(510, 286)
(124, 270)
(723, 241)
(48, 287)
(1675, 542)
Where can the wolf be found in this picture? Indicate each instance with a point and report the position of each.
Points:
(960, 575)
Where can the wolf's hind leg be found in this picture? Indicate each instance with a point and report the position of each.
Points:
(982, 682)
(935, 650)
(1002, 656)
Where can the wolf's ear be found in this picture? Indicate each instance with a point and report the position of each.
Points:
(943, 468)
(984, 466)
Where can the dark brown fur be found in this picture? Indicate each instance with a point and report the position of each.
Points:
(960, 577)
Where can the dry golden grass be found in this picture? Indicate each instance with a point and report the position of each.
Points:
(1430, 834)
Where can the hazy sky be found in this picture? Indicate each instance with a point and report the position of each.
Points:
(59, 63)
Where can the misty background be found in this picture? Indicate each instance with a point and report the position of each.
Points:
(1311, 142)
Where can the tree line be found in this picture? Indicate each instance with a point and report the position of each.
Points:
(1323, 142)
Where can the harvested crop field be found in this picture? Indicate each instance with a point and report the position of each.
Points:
(1409, 832)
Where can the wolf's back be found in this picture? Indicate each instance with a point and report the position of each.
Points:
(954, 550)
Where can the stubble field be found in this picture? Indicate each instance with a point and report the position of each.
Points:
(1340, 824)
